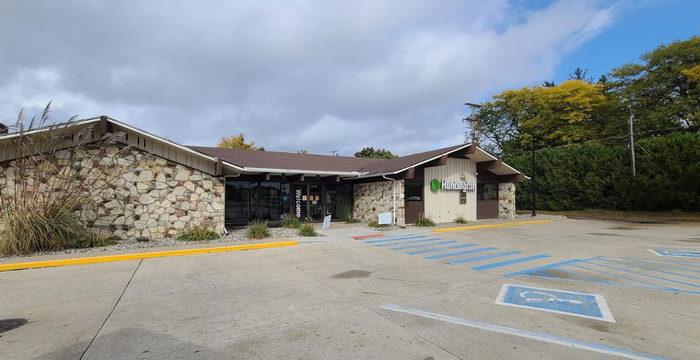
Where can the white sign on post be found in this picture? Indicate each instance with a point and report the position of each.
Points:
(326, 222)
(386, 218)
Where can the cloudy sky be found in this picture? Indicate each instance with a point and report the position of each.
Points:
(315, 75)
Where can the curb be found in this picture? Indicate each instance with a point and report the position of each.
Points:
(492, 225)
(137, 256)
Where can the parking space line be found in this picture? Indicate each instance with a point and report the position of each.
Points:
(395, 239)
(651, 262)
(679, 262)
(646, 275)
(440, 249)
(554, 339)
(460, 253)
(423, 245)
(650, 269)
(509, 262)
(408, 242)
(484, 257)
(656, 286)
(542, 268)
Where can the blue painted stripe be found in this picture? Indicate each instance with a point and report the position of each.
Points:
(554, 339)
(541, 268)
(509, 262)
(651, 285)
(423, 245)
(655, 263)
(439, 249)
(583, 277)
(618, 284)
(650, 269)
(645, 275)
(408, 242)
(394, 239)
(680, 262)
(484, 257)
(460, 253)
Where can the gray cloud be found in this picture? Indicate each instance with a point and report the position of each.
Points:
(289, 74)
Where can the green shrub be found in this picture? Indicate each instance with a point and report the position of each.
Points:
(351, 221)
(307, 230)
(198, 233)
(460, 220)
(290, 221)
(424, 221)
(257, 230)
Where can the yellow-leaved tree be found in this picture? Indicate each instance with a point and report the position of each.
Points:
(238, 142)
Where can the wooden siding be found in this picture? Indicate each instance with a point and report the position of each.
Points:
(167, 151)
(443, 205)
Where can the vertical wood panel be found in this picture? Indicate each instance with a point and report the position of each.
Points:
(443, 205)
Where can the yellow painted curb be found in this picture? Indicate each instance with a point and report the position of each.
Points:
(137, 256)
(492, 225)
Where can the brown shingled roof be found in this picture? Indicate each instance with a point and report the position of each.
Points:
(397, 164)
(311, 162)
(289, 161)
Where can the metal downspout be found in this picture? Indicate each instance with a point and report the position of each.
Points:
(393, 196)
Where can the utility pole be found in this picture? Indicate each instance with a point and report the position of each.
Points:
(471, 120)
(633, 165)
(534, 183)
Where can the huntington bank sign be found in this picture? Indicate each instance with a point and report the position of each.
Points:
(437, 185)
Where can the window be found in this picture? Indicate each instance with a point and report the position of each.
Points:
(487, 192)
(413, 190)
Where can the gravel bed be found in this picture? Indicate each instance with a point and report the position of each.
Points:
(235, 235)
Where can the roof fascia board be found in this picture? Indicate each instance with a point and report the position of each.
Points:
(50, 127)
(171, 143)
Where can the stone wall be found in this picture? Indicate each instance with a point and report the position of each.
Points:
(373, 198)
(506, 200)
(151, 197)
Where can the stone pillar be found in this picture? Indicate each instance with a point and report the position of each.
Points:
(506, 200)
(373, 198)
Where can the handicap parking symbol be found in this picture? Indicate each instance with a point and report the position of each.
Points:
(590, 306)
(675, 253)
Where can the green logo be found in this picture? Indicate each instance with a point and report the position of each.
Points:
(435, 185)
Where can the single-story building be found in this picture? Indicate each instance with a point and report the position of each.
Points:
(166, 187)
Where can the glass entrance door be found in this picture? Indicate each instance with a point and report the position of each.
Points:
(315, 202)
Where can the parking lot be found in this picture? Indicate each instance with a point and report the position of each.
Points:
(568, 289)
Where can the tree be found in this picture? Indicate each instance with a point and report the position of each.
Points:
(238, 142)
(580, 74)
(547, 83)
(570, 112)
(662, 89)
(370, 152)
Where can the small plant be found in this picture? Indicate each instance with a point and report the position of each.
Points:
(375, 224)
(424, 221)
(198, 233)
(258, 230)
(290, 221)
(307, 230)
(460, 220)
(351, 221)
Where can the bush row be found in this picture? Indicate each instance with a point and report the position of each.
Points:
(597, 176)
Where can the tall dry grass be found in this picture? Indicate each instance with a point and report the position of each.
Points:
(52, 188)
